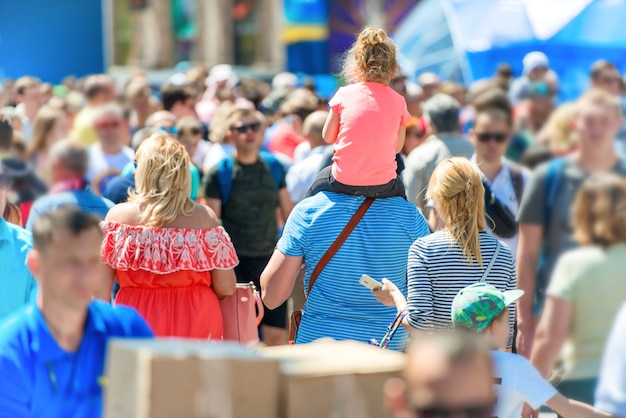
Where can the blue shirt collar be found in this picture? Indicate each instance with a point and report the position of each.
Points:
(43, 343)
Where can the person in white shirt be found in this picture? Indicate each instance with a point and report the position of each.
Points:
(611, 391)
(483, 309)
(30, 101)
(491, 136)
(301, 175)
(108, 156)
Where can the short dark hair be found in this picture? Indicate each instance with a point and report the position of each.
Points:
(600, 66)
(68, 218)
(172, 94)
(94, 84)
(6, 132)
(496, 113)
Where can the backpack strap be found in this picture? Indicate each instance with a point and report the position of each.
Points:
(554, 178)
(491, 263)
(517, 180)
(225, 170)
(275, 167)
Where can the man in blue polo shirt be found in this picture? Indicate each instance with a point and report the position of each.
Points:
(52, 352)
(16, 282)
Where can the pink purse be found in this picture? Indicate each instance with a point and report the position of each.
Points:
(242, 313)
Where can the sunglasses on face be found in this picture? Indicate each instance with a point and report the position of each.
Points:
(478, 411)
(113, 124)
(5, 181)
(499, 137)
(169, 130)
(255, 127)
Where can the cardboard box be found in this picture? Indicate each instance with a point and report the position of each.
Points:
(175, 378)
(334, 379)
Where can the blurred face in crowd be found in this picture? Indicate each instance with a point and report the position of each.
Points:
(436, 387)
(164, 120)
(190, 141)
(184, 108)
(32, 98)
(490, 136)
(596, 124)
(68, 269)
(608, 80)
(109, 128)
(537, 73)
(415, 136)
(247, 133)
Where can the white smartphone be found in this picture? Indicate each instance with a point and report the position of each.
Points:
(370, 283)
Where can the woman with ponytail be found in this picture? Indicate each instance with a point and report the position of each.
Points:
(459, 255)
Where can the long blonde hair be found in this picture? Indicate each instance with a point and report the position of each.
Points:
(44, 123)
(162, 180)
(457, 190)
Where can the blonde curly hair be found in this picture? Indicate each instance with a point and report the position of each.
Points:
(372, 58)
(457, 189)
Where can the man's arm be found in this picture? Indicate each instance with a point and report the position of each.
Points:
(284, 201)
(552, 332)
(529, 247)
(278, 278)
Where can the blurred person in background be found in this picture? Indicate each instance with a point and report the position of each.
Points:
(545, 230)
(455, 90)
(503, 76)
(118, 187)
(417, 131)
(189, 133)
(430, 83)
(68, 165)
(245, 190)
(138, 95)
(446, 374)
(99, 90)
(221, 76)
(25, 185)
(302, 174)
(536, 66)
(491, 135)
(586, 289)
(28, 91)
(11, 114)
(414, 99)
(63, 335)
(46, 92)
(108, 156)
(178, 100)
(17, 286)
(221, 142)
(530, 117)
(611, 392)
(556, 138)
(50, 126)
(604, 75)
(197, 267)
(163, 120)
(442, 112)
(287, 134)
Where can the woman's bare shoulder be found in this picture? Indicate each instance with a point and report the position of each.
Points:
(126, 213)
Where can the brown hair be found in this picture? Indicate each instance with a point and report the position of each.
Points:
(24, 83)
(600, 66)
(6, 132)
(12, 214)
(372, 58)
(239, 114)
(600, 210)
(43, 125)
(457, 189)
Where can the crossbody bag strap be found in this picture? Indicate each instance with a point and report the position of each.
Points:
(491, 263)
(332, 250)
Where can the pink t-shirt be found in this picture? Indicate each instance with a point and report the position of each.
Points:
(370, 116)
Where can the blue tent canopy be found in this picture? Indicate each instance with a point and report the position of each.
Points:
(464, 40)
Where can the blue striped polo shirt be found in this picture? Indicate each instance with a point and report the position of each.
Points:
(339, 306)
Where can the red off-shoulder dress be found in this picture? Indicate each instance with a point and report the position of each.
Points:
(165, 273)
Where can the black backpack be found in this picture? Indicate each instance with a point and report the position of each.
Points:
(499, 217)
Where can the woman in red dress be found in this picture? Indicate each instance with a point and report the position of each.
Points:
(171, 257)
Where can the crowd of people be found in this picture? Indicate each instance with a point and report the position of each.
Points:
(495, 209)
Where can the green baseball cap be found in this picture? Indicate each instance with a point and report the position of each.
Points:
(476, 306)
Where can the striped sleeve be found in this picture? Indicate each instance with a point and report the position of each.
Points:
(420, 290)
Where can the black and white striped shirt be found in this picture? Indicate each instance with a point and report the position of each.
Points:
(438, 270)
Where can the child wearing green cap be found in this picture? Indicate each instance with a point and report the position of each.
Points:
(484, 309)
